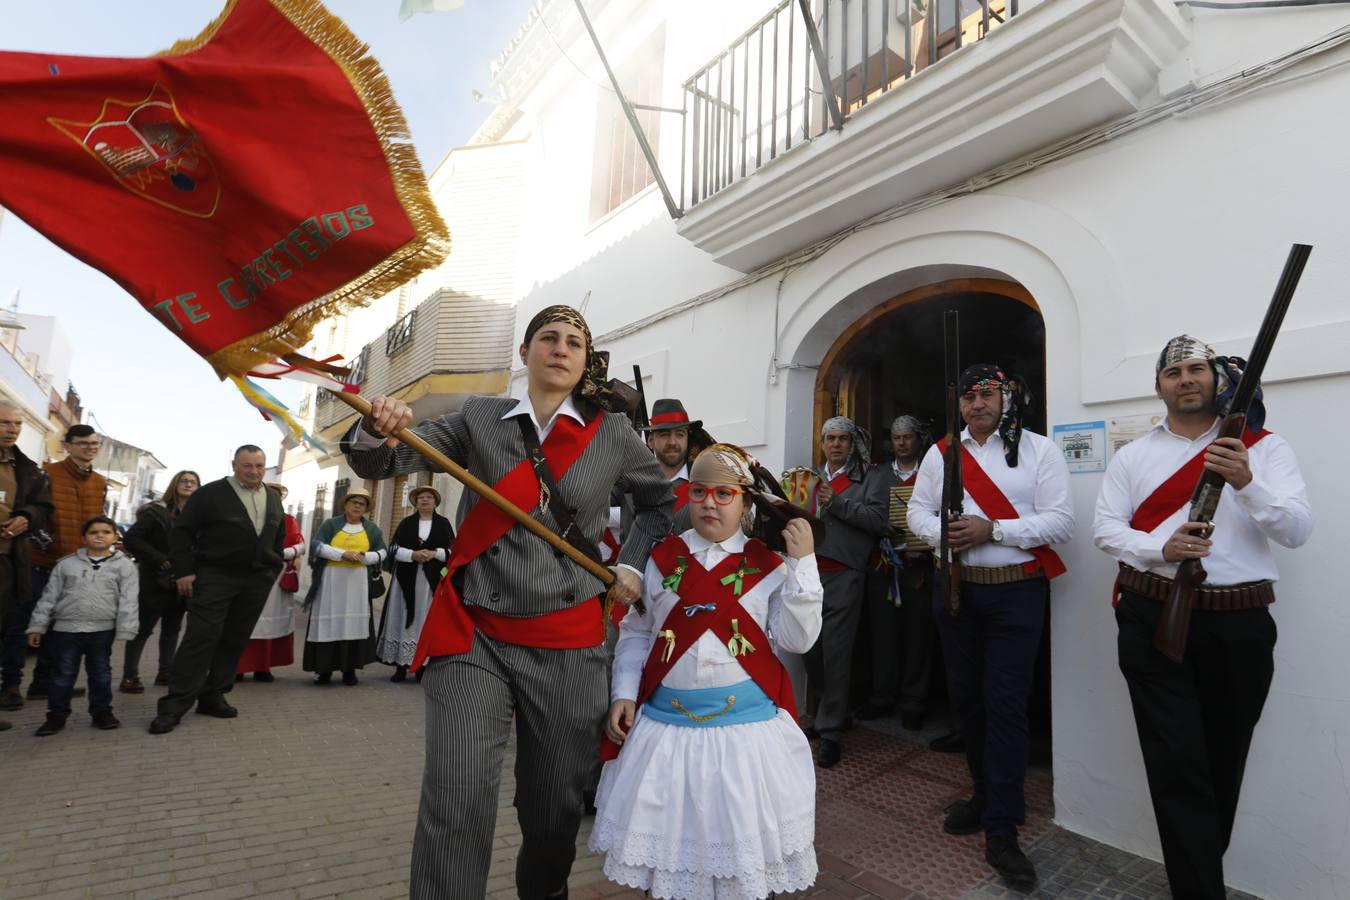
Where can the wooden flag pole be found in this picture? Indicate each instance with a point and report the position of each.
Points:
(484, 490)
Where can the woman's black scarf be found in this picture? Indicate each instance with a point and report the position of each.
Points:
(442, 536)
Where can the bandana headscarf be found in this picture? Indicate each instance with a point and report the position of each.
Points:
(1016, 399)
(860, 454)
(595, 387)
(723, 464)
(1227, 373)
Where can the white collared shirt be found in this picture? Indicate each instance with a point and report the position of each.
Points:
(525, 407)
(1273, 507)
(905, 474)
(831, 476)
(682, 475)
(1038, 489)
(786, 603)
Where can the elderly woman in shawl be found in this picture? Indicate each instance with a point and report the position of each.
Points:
(420, 550)
(516, 631)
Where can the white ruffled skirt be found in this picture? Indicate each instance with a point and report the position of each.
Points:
(709, 813)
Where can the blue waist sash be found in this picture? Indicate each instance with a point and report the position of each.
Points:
(735, 704)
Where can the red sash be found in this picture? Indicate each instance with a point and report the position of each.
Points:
(681, 495)
(1176, 491)
(698, 586)
(449, 626)
(838, 484)
(997, 506)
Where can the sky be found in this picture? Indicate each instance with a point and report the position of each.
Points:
(142, 385)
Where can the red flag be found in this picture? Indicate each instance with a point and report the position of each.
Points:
(242, 186)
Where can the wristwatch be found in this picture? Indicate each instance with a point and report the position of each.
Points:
(996, 531)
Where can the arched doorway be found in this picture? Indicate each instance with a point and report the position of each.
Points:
(890, 362)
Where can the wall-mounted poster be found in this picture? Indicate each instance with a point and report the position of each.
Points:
(1083, 445)
(1124, 429)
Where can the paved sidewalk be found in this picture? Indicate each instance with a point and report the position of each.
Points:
(313, 791)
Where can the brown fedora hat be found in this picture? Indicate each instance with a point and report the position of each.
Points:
(424, 489)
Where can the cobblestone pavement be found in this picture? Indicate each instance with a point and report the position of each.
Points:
(312, 792)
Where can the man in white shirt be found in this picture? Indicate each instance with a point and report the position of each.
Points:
(1195, 718)
(1016, 504)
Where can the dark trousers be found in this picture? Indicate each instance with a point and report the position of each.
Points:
(65, 649)
(1195, 720)
(163, 608)
(829, 662)
(902, 638)
(14, 641)
(221, 614)
(990, 648)
(557, 701)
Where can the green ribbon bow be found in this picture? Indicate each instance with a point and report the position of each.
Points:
(739, 577)
(672, 581)
(739, 645)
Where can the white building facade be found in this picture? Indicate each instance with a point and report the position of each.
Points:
(1083, 179)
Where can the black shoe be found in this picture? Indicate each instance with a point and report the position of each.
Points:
(220, 710)
(11, 698)
(872, 711)
(50, 727)
(400, 674)
(264, 677)
(104, 720)
(827, 757)
(952, 742)
(911, 721)
(323, 678)
(963, 816)
(6, 724)
(238, 677)
(164, 723)
(1010, 862)
(349, 677)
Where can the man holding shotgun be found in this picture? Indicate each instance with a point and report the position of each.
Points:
(515, 629)
(1196, 717)
(1015, 504)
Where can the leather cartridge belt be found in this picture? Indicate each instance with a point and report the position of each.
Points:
(999, 574)
(1228, 598)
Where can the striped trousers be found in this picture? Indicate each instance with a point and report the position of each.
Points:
(558, 699)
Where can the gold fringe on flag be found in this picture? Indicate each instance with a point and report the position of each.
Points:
(431, 241)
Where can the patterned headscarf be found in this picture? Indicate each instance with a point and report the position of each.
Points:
(1227, 373)
(723, 464)
(1016, 399)
(860, 454)
(595, 387)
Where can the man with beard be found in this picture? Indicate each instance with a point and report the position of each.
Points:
(668, 437)
(852, 503)
(1016, 504)
(1195, 718)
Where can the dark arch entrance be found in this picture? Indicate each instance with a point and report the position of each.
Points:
(890, 362)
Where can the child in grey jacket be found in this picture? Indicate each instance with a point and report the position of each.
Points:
(89, 601)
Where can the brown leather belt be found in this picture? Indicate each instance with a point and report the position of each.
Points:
(1251, 595)
(999, 574)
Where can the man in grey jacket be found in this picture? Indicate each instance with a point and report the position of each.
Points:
(853, 506)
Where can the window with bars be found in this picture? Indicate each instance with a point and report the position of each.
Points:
(620, 168)
(400, 334)
(359, 367)
(320, 504)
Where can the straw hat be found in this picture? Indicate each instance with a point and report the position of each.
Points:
(357, 492)
(423, 489)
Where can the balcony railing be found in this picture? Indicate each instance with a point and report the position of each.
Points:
(788, 78)
(400, 334)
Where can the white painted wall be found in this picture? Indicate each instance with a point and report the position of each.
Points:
(1180, 227)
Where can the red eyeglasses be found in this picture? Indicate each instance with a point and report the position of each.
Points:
(721, 494)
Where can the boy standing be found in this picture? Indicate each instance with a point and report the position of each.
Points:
(89, 601)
